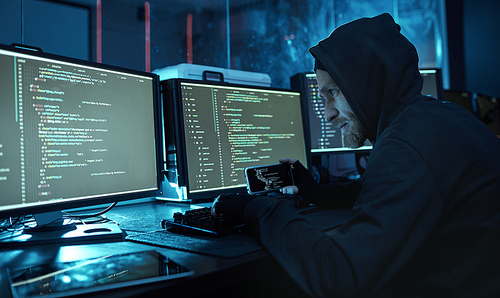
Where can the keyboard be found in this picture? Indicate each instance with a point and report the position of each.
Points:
(201, 220)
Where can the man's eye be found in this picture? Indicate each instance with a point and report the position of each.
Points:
(334, 92)
(330, 93)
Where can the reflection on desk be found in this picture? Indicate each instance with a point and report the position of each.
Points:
(93, 275)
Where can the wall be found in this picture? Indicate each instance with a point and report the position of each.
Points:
(262, 36)
(54, 27)
(482, 46)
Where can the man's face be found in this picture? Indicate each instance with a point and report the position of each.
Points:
(339, 112)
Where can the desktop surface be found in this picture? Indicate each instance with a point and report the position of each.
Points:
(245, 271)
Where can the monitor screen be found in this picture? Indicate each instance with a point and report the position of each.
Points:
(325, 138)
(221, 129)
(433, 84)
(75, 133)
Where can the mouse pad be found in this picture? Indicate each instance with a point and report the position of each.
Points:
(228, 247)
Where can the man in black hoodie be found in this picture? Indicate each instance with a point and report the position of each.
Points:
(426, 222)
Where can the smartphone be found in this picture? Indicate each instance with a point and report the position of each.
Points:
(261, 179)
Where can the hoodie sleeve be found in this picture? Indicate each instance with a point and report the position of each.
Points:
(337, 195)
(398, 206)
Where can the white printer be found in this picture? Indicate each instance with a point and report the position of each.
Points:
(211, 73)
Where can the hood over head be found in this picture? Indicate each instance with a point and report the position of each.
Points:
(375, 67)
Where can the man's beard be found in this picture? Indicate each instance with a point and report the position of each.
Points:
(356, 136)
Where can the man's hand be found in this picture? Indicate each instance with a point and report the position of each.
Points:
(288, 160)
(303, 180)
(292, 189)
(232, 204)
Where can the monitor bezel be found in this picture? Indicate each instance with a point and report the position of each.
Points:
(42, 207)
(175, 134)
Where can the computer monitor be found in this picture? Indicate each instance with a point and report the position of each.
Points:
(325, 138)
(433, 83)
(75, 133)
(219, 129)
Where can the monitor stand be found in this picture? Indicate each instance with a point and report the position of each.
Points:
(52, 228)
(52, 221)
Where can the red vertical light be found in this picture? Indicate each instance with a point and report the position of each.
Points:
(98, 32)
(147, 12)
(190, 39)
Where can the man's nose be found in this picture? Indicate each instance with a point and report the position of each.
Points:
(330, 112)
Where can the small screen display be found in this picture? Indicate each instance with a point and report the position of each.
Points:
(267, 178)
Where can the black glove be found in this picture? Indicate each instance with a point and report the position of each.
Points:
(303, 179)
(232, 204)
(340, 195)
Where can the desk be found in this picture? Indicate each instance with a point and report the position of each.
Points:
(252, 274)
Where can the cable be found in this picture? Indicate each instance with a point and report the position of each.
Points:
(9, 225)
(79, 217)
(27, 222)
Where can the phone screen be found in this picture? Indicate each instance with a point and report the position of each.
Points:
(267, 178)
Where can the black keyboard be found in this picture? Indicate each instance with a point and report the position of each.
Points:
(201, 219)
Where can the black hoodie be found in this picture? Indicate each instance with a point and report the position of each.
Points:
(427, 220)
